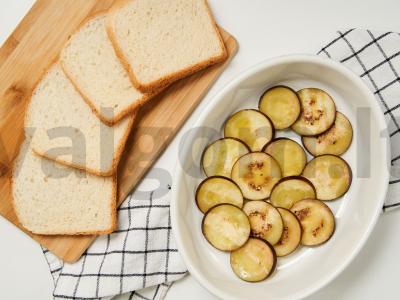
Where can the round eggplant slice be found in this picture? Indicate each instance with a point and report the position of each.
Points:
(291, 236)
(256, 174)
(217, 190)
(250, 126)
(289, 154)
(289, 190)
(265, 221)
(281, 105)
(330, 175)
(219, 157)
(316, 219)
(226, 227)
(318, 112)
(255, 261)
(334, 141)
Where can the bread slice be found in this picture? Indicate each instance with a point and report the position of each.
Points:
(49, 198)
(90, 62)
(63, 127)
(162, 41)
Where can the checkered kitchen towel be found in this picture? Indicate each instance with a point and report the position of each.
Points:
(141, 255)
(138, 261)
(375, 57)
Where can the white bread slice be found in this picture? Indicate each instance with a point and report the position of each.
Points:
(90, 62)
(63, 127)
(49, 198)
(162, 41)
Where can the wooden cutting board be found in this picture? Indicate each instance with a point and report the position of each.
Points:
(29, 50)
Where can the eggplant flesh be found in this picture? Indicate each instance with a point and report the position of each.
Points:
(226, 227)
(282, 105)
(291, 236)
(219, 157)
(335, 140)
(250, 126)
(289, 190)
(318, 112)
(265, 221)
(316, 219)
(256, 174)
(289, 154)
(330, 175)
(217, 190)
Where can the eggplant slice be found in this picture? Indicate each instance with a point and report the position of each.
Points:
(219, 157)
(330, 175)
(255, 261)
(318, 112)
(282, 105)
(334, 141)
(289, 190)
(250, 126)
(226, 227)
(217, 190)
(265, 221)
(289, 154)
(291, 236)
(316, 219)
(256, 174)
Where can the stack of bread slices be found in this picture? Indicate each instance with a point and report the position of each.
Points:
(82, 110)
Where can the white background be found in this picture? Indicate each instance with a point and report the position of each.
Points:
(263, 29)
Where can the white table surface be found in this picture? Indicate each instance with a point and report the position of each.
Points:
(264, 29)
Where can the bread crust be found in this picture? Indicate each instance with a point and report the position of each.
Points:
(113, 203)
(117, 117)
(111, 171)
(115, 163)
(168, 79)
(118, 153)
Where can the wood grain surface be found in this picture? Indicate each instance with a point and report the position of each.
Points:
(30, 49)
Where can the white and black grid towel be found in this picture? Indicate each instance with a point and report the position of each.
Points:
(140, 258)
(137, 261)
(375, 57)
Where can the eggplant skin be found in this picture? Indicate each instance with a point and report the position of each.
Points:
(274, 261)
(275, 140)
